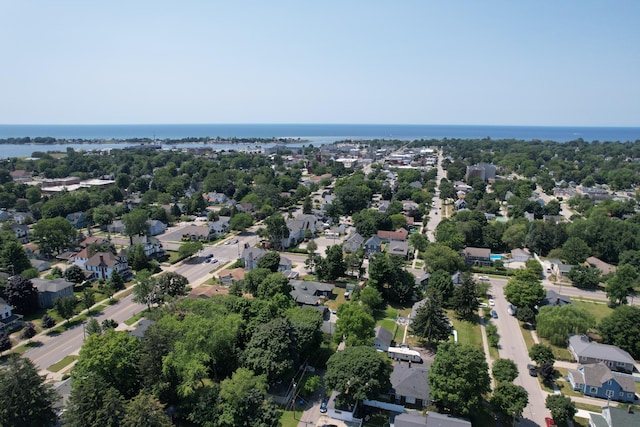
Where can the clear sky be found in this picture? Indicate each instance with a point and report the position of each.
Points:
(570, 62)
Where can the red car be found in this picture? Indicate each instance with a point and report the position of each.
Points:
(549, 422)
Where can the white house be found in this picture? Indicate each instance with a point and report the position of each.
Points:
(103, 264)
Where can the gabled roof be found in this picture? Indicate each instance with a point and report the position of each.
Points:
(585, 348)
(253, 253)
(109, 259)
(477, 252)
(398, 248)
(554, 298)
(605, 267)
(305, 292)
(596, 374)
(399, 234)
(373, 241)
(51, 285)
(353, 242)
(410, 381)
(383, 335)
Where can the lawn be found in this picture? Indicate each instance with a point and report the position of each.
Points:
(287, 419)
(468, 332)
(134, 319)
(598, 310)
(67, 360)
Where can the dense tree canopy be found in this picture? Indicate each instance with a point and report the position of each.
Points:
(620, 328)
(359, 372)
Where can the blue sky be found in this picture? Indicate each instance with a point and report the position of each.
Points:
(415, 62)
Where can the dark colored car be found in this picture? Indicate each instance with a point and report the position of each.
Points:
(533, 370)
(494, 314)
(323, 405)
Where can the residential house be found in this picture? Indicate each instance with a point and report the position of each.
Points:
(310, 293)
(409, 385)
(40, 265)
(597, 380)
(614, 417)
(353, 243)
(91, 240)
(250, 257)
(409, 206)
(416, 184)
(585, 351)
(400, 235)
(604, 267)
(103, 264)
(78, 220)
(460, 204)
(520, 255)
(384, 206)
(559, 268)
(81, 258)
(244, 207)
(327, 200)
(22, 217)
(399, 248)
(156, 227)
(21, 231)
(221, 226)
(116, 226)
(285, 264)
(49, 290)
(477, 256)
(152, 246)
(229, 277)
(197, 233)
(214, 198)
(555, 299)
(20, 175)
(373, 246)
(340, 408)
(7, 318)
(382, 339)
(298, 228)
(4, 215)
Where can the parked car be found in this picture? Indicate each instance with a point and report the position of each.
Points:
(533, 370)
(511, 310)
(492, 302)
(549, 422)
(323, 405)
(494, 314)
(484, 278)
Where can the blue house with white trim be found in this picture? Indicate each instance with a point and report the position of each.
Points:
(597, 380)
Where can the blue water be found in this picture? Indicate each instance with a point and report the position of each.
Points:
(323, 132)
(495, 257)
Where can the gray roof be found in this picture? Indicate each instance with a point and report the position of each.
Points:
(383, 335)
(410, 381)
(410, 419)
(596, 374)
(585, 348)
(51, 285)
(619, 417)
(554, 298)
(253, 253)
(353, 242)
(374, 241)
(441, 420)
(398, 248)
(307, 292)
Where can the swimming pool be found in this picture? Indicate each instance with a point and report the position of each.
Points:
(495, 257)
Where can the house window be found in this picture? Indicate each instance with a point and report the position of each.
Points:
(622, 394)
(610, 393)
(593, 389)
(620, 364)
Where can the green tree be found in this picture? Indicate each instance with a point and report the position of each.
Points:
(459, 377)
(103, 216)
(441, 283)
(371, 298)
(171, 285)
(465, 297)
(558, 323)
(135, 223)
(144, 291)
(541, 354)
(523, 292)
(21, 294)
(253, 278)
(419, 241)
(88, 298)
(54, 235)
(584, 277)
(306, 323)
(93, 402)
(274, 284)
(504, 370)
(25, 398)
(113, 356)
(431, 323)
(137, 258)
(189, 249)
(145, 410)
(271, 350)
(13, 258)
(562, 408)
(277, 229)
(526, 315)
(332, 267)
(243, 401)
(509, 400)
(620, 328)
(270, 261)
(358, 372)
(65, 306)
(74, 274)
(620, 286)
(575, 250)
(93, 327)
(441, 257)
(240, 221)
(354, 325)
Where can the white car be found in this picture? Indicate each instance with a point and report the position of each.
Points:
(484, 278)
(492, 302)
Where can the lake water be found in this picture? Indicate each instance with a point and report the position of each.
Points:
(316, 134)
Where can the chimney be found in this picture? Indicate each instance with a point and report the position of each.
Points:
(101, 259)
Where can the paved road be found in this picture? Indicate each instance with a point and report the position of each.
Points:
(512, 346)
(55, 348)
(435, 216)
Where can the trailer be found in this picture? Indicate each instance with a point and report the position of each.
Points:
(406, 354)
